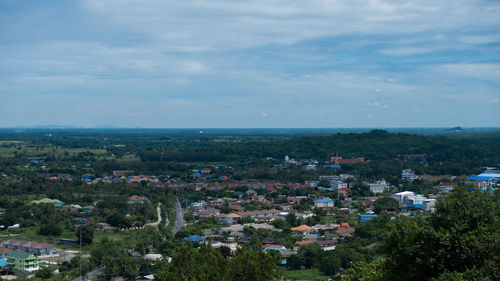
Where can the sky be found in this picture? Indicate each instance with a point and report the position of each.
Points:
(250, 64)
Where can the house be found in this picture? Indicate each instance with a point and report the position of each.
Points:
(272, 247)
(22, 262)
(327, 245)
(345, 230)
(4, 252)
(302, 229)
(299, 244)
(38, 249)
(228, 218)
(348, 161)
(296, 199)
(364, 218)
(261, 215)
(193, 239)
(138, 199)
(122, 173)
(445, 187)
(88, 209)
(324, 203)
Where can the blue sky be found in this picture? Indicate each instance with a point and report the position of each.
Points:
(246, 64)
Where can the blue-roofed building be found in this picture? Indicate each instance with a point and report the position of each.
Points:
(364, 218)
(324, 203)
(3, 263)
(193, 239)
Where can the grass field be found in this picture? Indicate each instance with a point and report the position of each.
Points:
(10, 148)
(304, 274)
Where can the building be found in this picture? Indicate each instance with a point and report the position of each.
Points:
(401, 196)
(364, 218)
(22, 262)
(193, 239)
(378, 187)
(35, 248)
(231, 218)
(271, 247)
(445, 187)
(408, 175)
(324, 203)
(302, 229)
(4, 252)
(347, 161)
(138, 199)
(327, 245)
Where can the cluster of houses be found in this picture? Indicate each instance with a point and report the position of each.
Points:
(23, 256)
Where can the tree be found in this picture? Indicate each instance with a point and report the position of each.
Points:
(462, 234)
(252, 264)
(44, 273)
(385, 204)
(85, 234)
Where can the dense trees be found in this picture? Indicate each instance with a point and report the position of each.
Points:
(207, 263)
(460, 241)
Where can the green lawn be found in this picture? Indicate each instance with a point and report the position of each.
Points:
(304, 274)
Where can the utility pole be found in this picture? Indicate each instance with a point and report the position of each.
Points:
(80, 227)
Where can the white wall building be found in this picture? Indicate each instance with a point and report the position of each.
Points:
(378, 187)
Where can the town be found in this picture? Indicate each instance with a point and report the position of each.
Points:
(315, 219)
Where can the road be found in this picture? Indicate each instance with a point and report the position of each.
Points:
(91, 275)
(179, 221)
(158, 211)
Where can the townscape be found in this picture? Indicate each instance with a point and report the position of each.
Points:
(186, 206)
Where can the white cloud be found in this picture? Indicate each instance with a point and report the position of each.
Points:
(224, 24)
(485, 71)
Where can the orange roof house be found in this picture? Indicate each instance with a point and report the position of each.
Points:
(302, 228)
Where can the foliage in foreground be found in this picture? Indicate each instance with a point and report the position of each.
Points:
(460, 241)
(207, 263)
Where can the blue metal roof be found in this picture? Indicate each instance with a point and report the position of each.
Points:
(324, 200)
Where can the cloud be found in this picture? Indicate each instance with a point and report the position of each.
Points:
(224, 24)
(483, 71)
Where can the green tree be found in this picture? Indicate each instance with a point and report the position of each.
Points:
(462, 234)
(85, 234)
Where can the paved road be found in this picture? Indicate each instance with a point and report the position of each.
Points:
(91, 275)
(179, 221)
(158, 211)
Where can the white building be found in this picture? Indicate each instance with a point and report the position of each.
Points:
(338, 185)
(378, 187)
(401, 196)
(408, 175)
